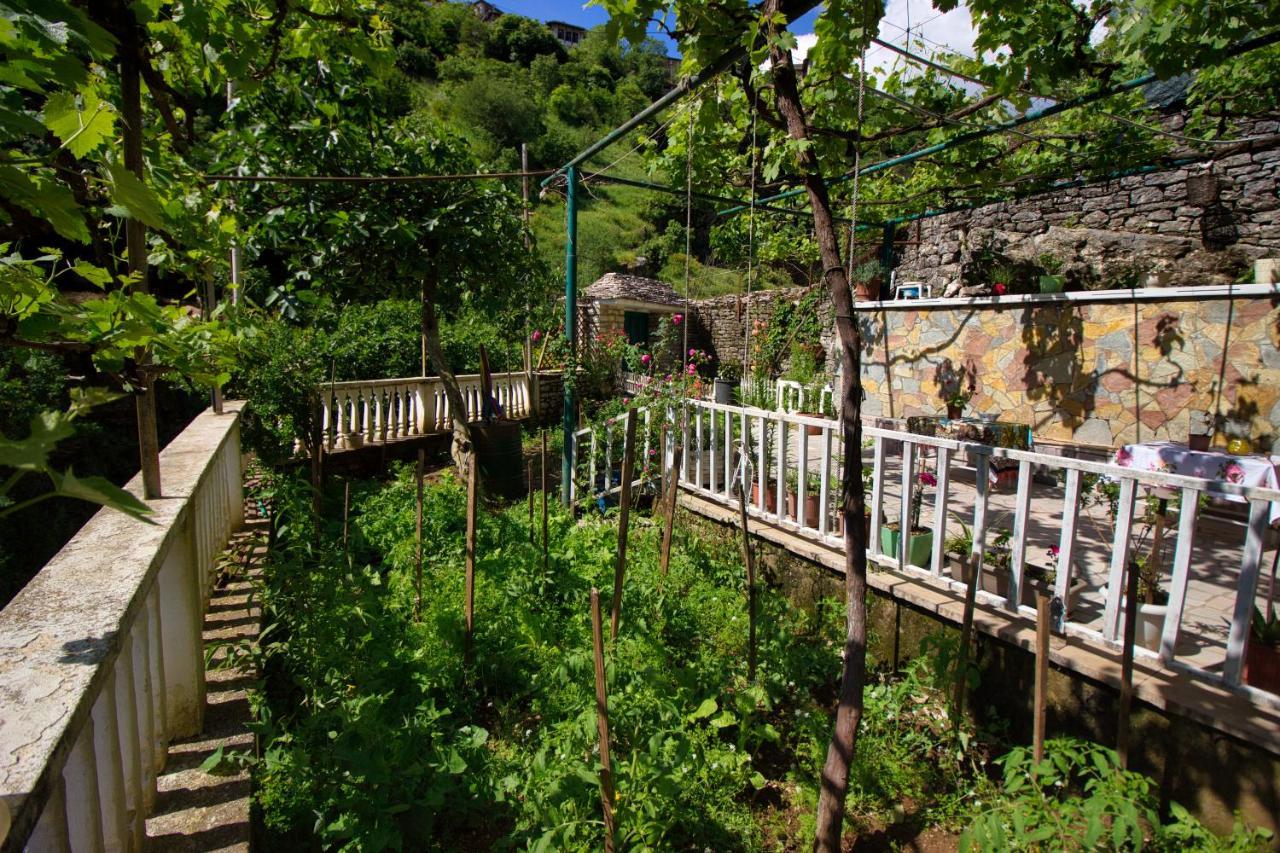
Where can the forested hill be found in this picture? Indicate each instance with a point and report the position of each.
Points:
(508, 81)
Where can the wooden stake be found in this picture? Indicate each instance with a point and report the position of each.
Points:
(417, 574)
(1126, 664)
(529, 481)
(624, 518)
(669, 510)
(136, 250)
(346, 513)
(545, 539)
(602, 722)
(970, 573)
(1042, 670)
(471, 557)
(897, 631)
(317, 458)
(751, 583)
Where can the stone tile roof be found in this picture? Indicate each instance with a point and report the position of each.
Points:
(615, 285)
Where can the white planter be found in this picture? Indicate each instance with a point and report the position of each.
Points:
(1266, 270)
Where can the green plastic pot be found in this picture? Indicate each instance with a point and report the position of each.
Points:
(1051, 283)
(919, 546)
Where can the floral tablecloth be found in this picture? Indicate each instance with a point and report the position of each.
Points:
(1172, 458)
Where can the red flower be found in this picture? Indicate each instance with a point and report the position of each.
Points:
(999, 288)
(928, 479)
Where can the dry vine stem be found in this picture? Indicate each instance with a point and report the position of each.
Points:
(417, 571)
(1126, 664)
(624, 517)
(602, 722)
(471, 556)
(1042, 670)
(545, 546)
(751, 584)
(970, 572)
(669, 509)
(529, 483)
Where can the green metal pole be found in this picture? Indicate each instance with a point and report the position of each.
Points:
(570, 322)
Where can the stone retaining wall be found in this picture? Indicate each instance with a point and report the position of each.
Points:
(1110, 233)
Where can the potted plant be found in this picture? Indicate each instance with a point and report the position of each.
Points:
(812, 494)
(956, 386)
(1048, 575)
(805, 373)
(1051, 280)
(1262, 654)
(866, 280)
(919, 540)
(727, 378)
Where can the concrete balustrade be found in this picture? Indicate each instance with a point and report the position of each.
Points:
(377, 410)
(100, 654)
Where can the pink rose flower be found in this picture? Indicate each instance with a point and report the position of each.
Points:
(676, 319)
(928, 479)
(692, 369)
(537, 336)
(646, 358)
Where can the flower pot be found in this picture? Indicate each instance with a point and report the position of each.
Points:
(770, 496)
(810, 509)
(724, 391)
(994, 581)
(353, 440)
(954, 413)
(808, 428)
(1150, 623)
(1078, 585)
(919, 545)
(1262, 665)
(1051, 283)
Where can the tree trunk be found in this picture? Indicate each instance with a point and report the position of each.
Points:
(461, 450)
(835, 773)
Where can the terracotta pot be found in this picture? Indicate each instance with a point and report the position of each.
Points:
(1262, 665)
(954, 412)
(809, 429)
(770, 496)
(810, 509)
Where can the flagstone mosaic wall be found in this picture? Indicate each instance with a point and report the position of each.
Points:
(1101, 374)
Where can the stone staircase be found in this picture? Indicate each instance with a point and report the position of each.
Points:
(198, 810)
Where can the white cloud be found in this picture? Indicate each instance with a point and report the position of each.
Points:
(931, 32)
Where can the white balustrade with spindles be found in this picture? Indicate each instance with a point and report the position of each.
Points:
(719, 440)
(103, 657)
(376, 410)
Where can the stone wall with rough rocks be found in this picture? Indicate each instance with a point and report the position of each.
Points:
(547, 397)
(720, 324)
(1114, 233)
(1102, 374)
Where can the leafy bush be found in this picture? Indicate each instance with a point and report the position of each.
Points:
(1078, 798)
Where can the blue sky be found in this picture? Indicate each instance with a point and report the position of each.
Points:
(590, 16)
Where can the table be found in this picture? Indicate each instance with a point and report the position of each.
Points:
(1008, 434)
(1173, 458)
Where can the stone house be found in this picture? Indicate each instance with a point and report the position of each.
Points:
(631, 304)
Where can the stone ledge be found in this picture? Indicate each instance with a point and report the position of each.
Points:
(63, 630)
(1084, 297)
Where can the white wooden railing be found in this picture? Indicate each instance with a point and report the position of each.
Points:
(765, 449)
(598, 457)
(103, 659)
(376, 410)
(791, 398)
